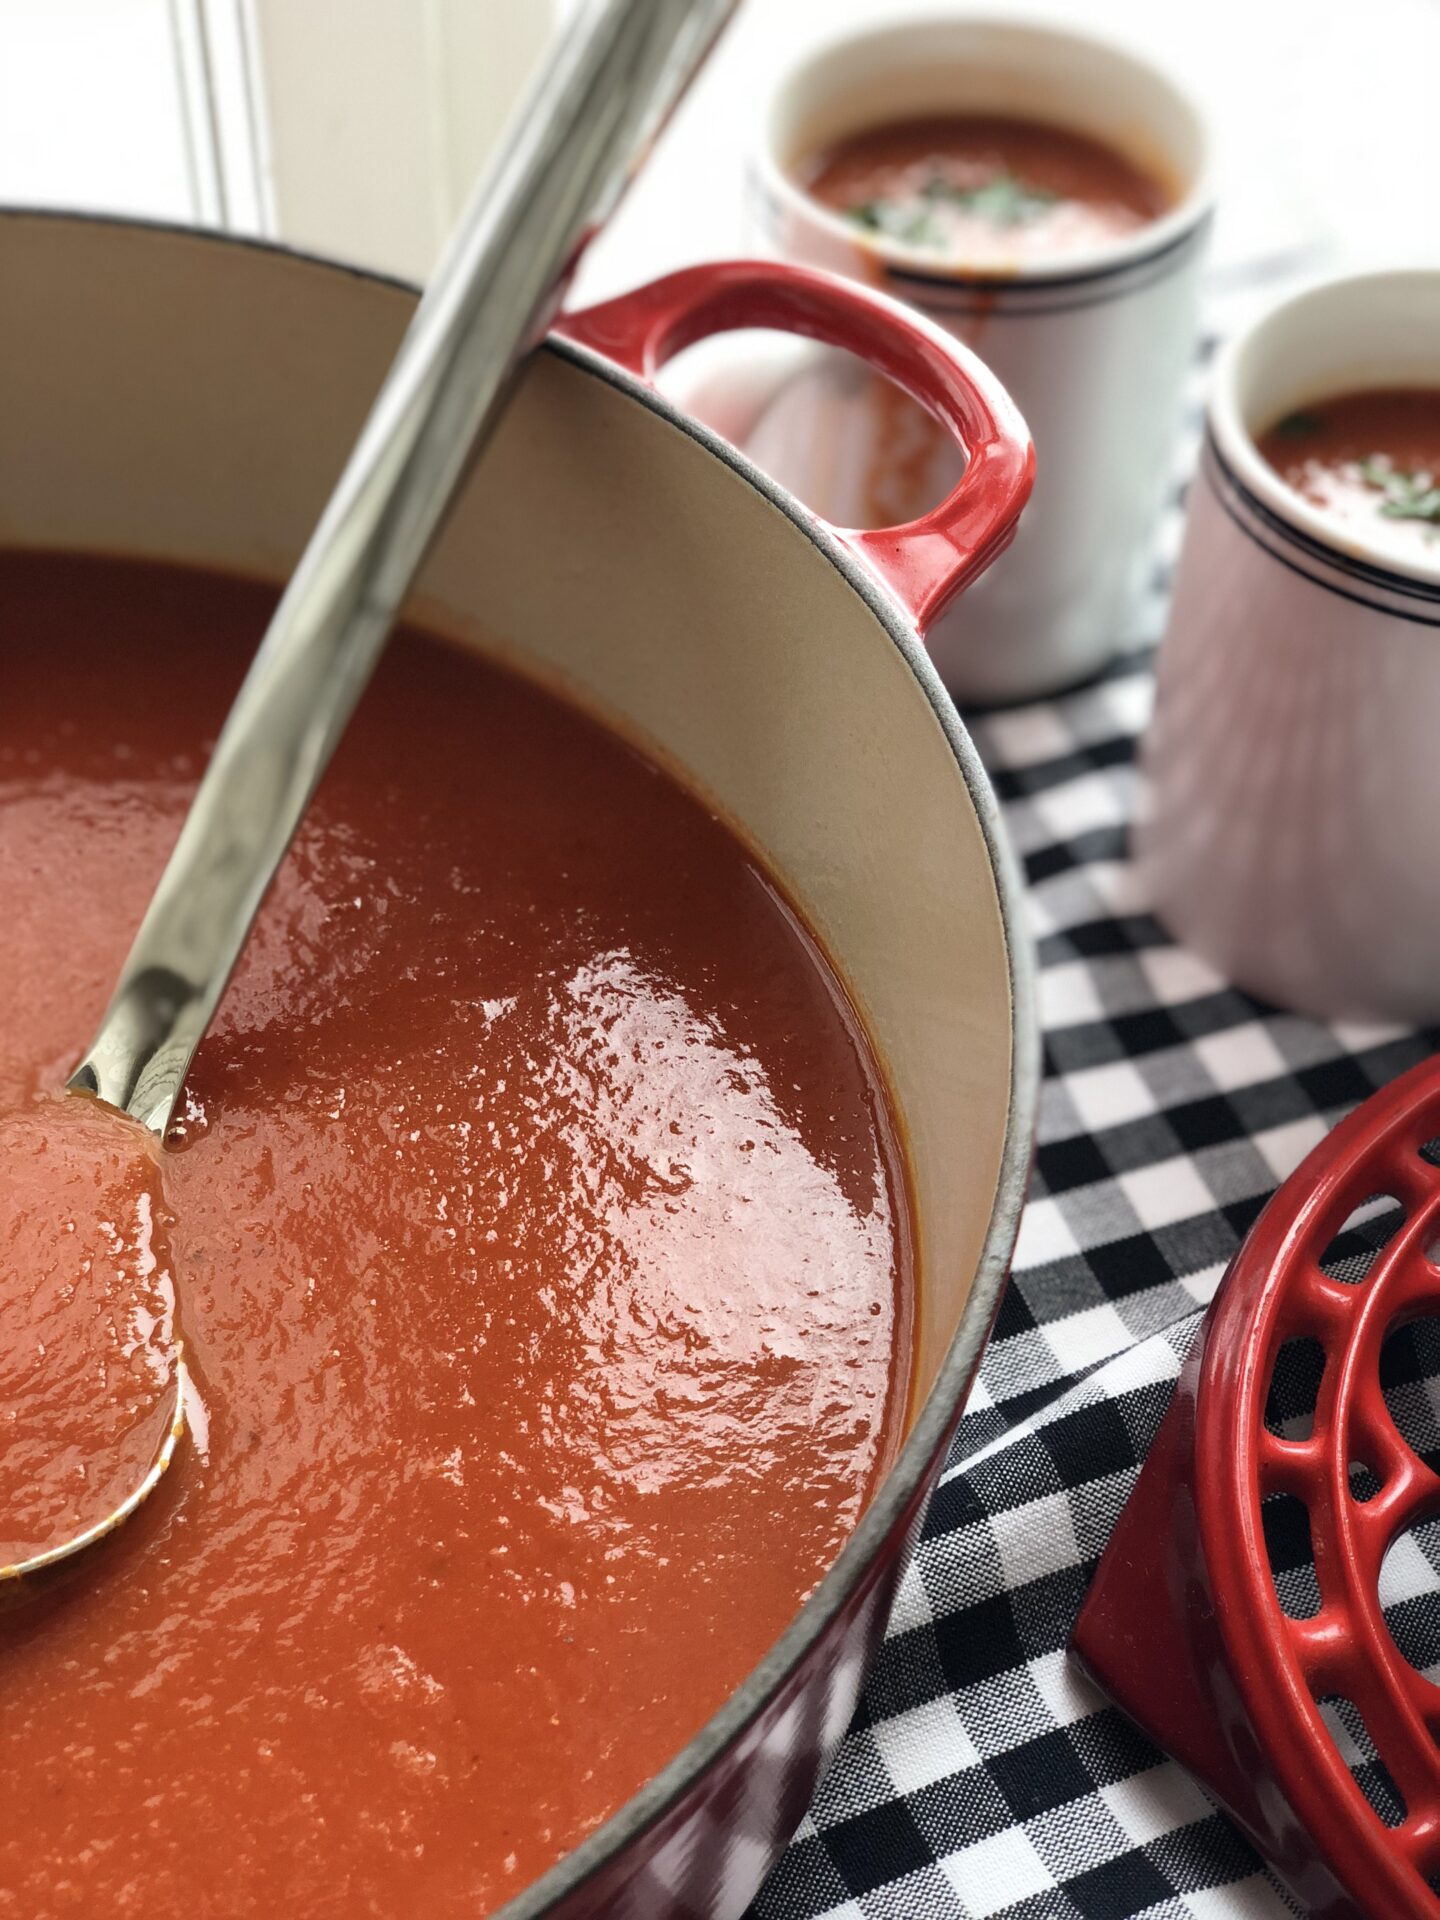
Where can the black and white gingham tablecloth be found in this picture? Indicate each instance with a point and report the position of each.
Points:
(984, 1778)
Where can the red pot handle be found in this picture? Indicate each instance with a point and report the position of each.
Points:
(927, 561)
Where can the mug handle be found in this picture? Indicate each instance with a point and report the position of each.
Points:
(925, 562)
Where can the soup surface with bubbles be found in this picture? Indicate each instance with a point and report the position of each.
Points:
(539, 1231)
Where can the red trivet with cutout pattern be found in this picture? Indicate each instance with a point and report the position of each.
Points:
(1183, 1626)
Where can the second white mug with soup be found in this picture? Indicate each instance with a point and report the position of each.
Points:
(1288, 826)
(1045, 196)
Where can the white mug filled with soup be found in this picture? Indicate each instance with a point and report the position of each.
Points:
(1293, 780)
(1044, 196)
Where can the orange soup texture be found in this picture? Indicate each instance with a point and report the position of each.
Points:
(539, 1233)
(87, 1318)
(985, 189)
(1370, 461)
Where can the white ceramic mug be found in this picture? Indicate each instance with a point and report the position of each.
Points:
(1292, 810)
(1094, 347)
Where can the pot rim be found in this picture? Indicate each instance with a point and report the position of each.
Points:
(942, 1406)
(933, 1425)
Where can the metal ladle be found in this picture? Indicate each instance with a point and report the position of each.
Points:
(594, 110)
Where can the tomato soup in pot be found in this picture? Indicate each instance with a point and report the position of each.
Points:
(542, 1240)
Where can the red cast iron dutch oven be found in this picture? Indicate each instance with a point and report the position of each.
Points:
(179, 396)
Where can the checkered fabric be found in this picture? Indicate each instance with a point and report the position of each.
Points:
(983, 1778)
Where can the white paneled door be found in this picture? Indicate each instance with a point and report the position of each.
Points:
(356, 127)
(379, 115)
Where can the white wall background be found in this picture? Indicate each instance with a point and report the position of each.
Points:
(381, 110)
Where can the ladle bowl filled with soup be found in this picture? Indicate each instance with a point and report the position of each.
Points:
(588, 1209)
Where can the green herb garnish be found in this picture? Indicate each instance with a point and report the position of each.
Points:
(897, 220)
(1409, 494)
(1004, 200)
(1297, 425)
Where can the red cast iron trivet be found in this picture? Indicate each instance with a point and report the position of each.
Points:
(1183, 1626)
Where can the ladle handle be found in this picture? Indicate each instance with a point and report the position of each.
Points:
(925, 562)
(597, 105)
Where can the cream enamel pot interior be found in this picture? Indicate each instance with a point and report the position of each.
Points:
(185, 397)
